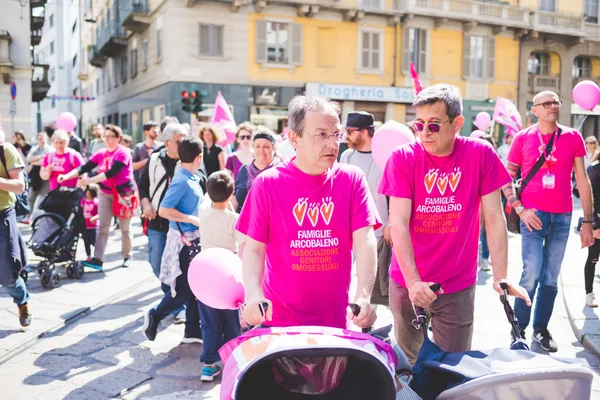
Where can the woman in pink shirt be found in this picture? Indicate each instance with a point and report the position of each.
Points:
(60, 161)
(115, 174)
(243, 155)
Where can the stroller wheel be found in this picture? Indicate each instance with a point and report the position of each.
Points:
(54, 280)
(45, 279)
(24, 275)
(81, 271)
(70, 272)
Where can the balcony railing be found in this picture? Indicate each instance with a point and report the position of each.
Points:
(552, 22)
(538, 83)
(37, 18)
(39, 82)
(467, 10)
(36, 37)
(136, 15)
(95, 58)
(593, 79)
(5, 41)
(38, 3)
(111, 39)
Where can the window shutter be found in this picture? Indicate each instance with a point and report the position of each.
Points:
(205, 40)
(296, 43)
(218, 40)
(261, 42)
(423, 52)
(406, 51)
(466, 56)
(375, 50)
(491, 57)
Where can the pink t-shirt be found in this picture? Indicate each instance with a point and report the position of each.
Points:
(446, 194)
(525, 151)
(307, 223)
(62, 164)
(90, 209)
(105, 159)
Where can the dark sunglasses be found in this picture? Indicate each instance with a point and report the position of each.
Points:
(434, 127)
(548, 104)
(245, 137)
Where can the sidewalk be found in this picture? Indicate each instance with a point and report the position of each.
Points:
(52, 309)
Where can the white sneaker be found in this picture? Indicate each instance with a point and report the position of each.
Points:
(484, 264)
(590, 300)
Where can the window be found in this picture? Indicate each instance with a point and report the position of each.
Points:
(75, 61)
(370, 45)
(582, 67)
(103, 82)
(211, 40)
(145, 54)
(479, 57)
(98, 86)
(108, 78)
(133, 69)
(123, 69)
(52, 74)
(74, 28)
(414, 49)
(51, 19)
(52, 47)
(539, 63)
(548, 5)
(115, 65)
(590, 11)
(278, 43)
(159, 44)
(53, 103)
(371, 4)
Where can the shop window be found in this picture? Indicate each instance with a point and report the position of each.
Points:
(479, 57)
(370, 44)
(414, 48)
(278, 43)
(539, 63)
(211, 40)
(376, 108)
(582, 67)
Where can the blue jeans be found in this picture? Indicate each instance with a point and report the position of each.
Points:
(169, 304)
(218, 328)
(543, 252)
(157, 241)
(9, 267)
(485, 250)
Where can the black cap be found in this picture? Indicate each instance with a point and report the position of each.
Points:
(360, 119)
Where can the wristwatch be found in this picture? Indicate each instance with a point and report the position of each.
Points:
(519, 209)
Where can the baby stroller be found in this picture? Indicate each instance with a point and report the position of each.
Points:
(311, 362)
(515, 373)
(56, 233)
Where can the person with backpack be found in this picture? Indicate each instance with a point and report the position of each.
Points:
(60, 161)
(13, 252)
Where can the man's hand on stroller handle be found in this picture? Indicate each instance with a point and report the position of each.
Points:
(257, 311)
(421, 293)
(366, 315)
(513, 290)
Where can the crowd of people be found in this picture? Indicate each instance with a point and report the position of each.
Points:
(301, 221)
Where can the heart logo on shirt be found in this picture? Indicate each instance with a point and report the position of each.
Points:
(430, 179)
(327, 212)
(313, 216)
(454, 179)
(300, 211)
(442, 183)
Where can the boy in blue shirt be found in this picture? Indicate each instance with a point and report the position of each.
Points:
(180, 206)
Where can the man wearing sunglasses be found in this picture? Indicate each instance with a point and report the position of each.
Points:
(436, 187)
(545, 208)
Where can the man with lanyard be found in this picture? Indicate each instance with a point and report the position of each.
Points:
(13, 253)
(360, 128)
(545, 208)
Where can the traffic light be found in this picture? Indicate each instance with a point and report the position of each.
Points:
(186, 101)
(196, 101)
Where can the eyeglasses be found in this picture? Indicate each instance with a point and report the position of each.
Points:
(548, 104)
(339, 137)
(245, 137)
(434, 127)
(590, 143)
(110, 136)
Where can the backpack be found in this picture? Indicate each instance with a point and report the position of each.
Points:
(22, 206)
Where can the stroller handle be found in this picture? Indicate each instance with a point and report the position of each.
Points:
(356, 310)
(420, 321)
(510, 314)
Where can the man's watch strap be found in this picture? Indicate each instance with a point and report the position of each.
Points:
(519, 209)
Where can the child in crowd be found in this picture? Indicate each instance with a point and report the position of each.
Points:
(217, 221)
(89, 204)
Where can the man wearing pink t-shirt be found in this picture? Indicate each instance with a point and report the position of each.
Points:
(436, 186)
(304, 219)
(545, 208)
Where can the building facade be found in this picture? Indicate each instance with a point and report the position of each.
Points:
(20, 29)
(260, 54)
(59, 48)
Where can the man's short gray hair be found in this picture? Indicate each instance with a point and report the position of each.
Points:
(173, 129)
(449, 94)
(302, 104)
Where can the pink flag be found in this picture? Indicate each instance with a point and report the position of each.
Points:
(223, 119)
(415, 78)
(506, 113)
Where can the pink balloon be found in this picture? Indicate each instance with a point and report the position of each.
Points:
(483, 121)
(586, 94)
(215, 277)
(66, 121)
(477, 134)
(387, 137)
